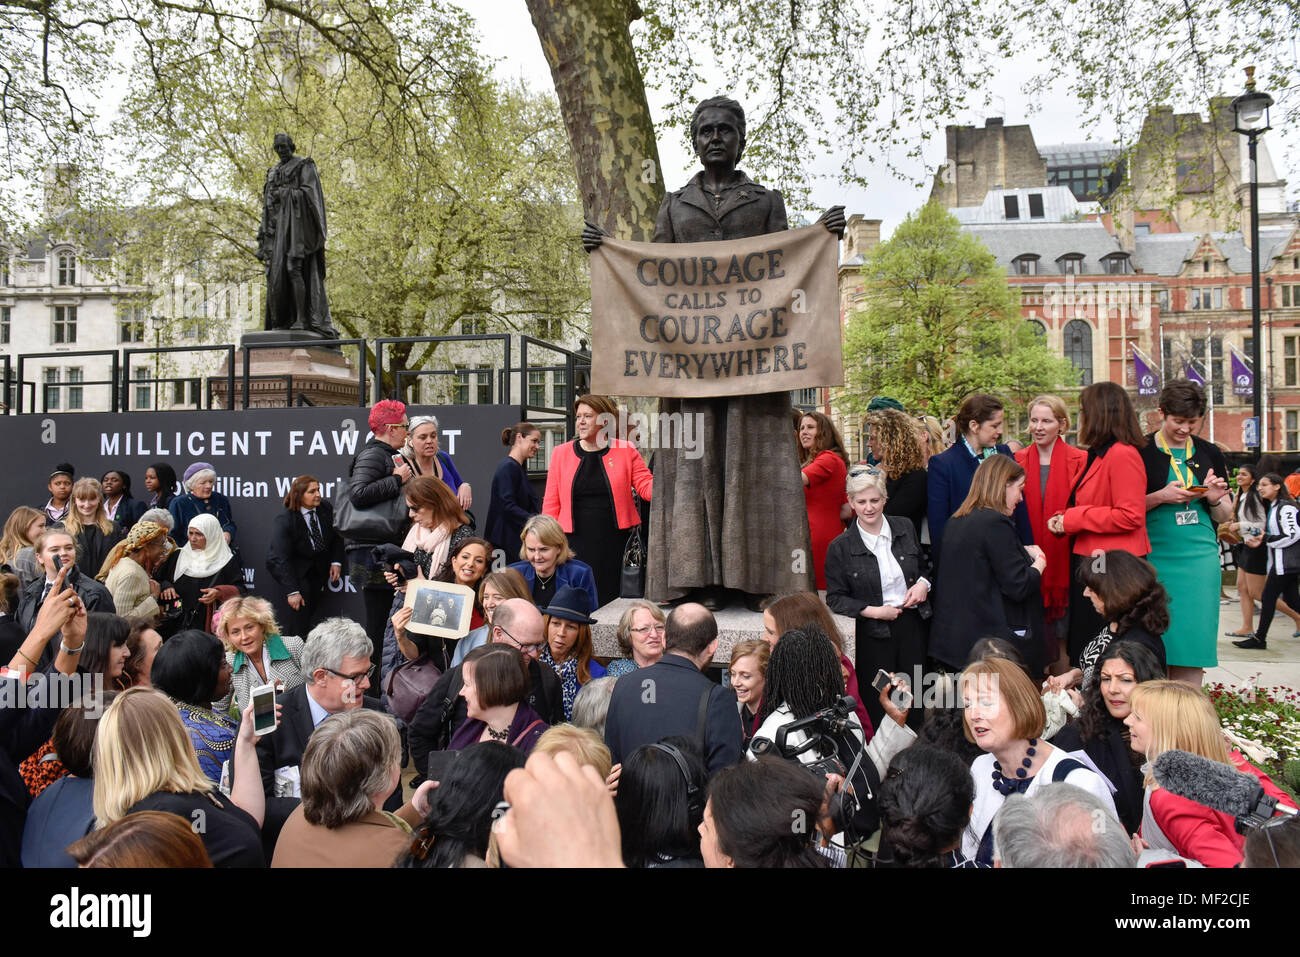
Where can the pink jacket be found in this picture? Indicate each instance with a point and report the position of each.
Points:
(624, 468)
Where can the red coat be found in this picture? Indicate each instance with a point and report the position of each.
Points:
(624, 468)
(823, 496)
(1201, 833)
(1110, 508)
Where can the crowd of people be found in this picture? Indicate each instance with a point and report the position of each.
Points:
(1062, 602)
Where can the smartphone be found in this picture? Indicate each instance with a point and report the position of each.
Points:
(1197, 489)
(397, 460)
(263, 709)
(58, 563)
(882, 680)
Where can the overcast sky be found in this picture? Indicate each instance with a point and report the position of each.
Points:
(512, 39)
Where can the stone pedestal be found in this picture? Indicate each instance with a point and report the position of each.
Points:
(735, 624)
(283, 376)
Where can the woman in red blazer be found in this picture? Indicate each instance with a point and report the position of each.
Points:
(825, 468)
(589, 492)
(1107, 507)
(1052, 466)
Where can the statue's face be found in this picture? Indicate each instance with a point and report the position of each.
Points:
(282, 148)
(717, 139)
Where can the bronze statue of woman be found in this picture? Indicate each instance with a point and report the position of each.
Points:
(732, 519)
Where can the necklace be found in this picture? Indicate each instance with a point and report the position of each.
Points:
(1020, 782)
(545, 582)
(496, 735)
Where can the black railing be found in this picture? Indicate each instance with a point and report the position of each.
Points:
(112, 381)
(128, 382)
(502, 387)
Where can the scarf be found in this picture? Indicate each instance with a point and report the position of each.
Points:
(214, 556)
(568, 673)
(1061, 476)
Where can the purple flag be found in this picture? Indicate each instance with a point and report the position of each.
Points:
(1192, 375)
(1243, 380)
(1148, 379)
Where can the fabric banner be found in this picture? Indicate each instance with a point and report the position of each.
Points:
(1243, 380)
(694, 320)
(1148, 379)
(1189, 371)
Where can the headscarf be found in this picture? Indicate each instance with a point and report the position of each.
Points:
(140, 535)
(213, 558)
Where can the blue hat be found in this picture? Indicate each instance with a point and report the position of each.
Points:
(571, 604)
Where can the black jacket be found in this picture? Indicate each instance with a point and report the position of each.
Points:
(663, 700)
(987, 588)
(22, 731)
(1205, 456)
(443, 710)
(93, 547)
(908, 496)
(290, 557)
(129, 511)
(92, 594)
(853, 574)
(372, 481)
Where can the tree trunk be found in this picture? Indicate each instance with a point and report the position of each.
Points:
(602, 98)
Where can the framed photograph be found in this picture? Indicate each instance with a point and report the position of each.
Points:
(441, 609)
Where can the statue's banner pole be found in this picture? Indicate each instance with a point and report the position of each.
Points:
(695, 320)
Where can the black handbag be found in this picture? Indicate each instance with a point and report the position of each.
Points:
(379, 523)
(632, 577)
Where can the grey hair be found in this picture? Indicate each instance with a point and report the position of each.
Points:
(160, 516)
(624, 633)
(592, 704)
(330, 642)
(199, 476)
(419, 420)
(1060, 826)
(862, 480)
(347, 763)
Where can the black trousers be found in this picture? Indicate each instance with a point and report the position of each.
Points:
(379, 602)
(300, 622)
(1275, 585)
(903, 652)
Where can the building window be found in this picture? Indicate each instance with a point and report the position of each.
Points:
(1247, 297)
(548, 329)
(183, 386)
(1036, 205)
(143, 389)
(1141, 229)
(131, 325)
(67, 269)
(1078, 348)
(560, 389)
(65, 325)
(804, 398)
(1205, 265)
(473, 326)
(536, 388)
(6, 314)
(1292, 431)
(1217, 298)
(5, 278)
(1026, 265)
(1011, 204)
(74, 391)
(1200, 299)
(1116, 264)
(1290, 357)
(1071, 264)
(1286, 297)
(1040, 330)
(484, 385)
(51, 390)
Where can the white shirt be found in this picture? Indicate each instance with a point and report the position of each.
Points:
(893, 586)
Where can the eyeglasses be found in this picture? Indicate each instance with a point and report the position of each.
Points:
(401, 425)
(353, 678)
(656, 628)
(530, 650)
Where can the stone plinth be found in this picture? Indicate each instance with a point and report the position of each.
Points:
(735, 624)
(321, 374)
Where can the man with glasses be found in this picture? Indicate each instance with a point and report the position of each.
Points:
(378, 476)
(517, 623)
(337, 671)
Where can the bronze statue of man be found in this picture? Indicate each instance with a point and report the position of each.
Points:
(734, 519)
(291, 241)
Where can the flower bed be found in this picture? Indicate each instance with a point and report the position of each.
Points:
(1269, 717)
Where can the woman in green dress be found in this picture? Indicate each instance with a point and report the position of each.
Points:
(1187, 496)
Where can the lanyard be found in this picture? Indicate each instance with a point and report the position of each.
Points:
(1187, 481)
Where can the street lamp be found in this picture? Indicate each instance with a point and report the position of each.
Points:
(1250, 119)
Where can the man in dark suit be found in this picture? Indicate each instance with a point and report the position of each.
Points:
(949, 474)
(518, 623)
(337, 669)
(305, 553)
(674, 696)
(92, 594)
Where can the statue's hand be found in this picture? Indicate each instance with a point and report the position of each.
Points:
(592, 235)
(833, 219)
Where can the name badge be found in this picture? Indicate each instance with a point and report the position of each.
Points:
(1191, 517)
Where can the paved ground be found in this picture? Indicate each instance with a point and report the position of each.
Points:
(1279, 664)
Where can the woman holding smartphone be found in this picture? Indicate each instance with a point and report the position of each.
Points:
(1282, 534)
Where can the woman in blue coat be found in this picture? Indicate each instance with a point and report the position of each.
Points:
(549, 564)
(513, 500)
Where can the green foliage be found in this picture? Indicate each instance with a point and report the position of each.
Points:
(940, 322)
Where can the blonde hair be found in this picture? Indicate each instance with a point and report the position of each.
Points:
(257, 610)
(1057, 405)
(84, 488)
(758, 648)
(1179, 718)
(549, 533)
(142, 747)
(583, 743)
(863, 477)
(15, 534)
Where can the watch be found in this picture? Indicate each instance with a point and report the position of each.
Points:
(63, 646)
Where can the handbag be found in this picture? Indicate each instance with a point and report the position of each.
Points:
(383, 522)
(1225, 533)
(632, 577)
(409, 684)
